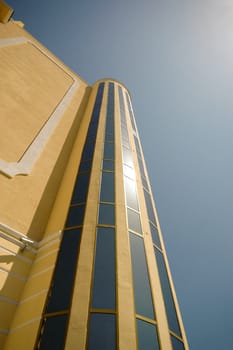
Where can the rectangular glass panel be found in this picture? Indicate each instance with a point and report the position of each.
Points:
(131, 193)
(107, 193)
(142, 291)
(62, 285)
(102, 335)
(167, 294)
(134, 222)
(75, 216)
(54, 330)
(103, 295)
(88, 151)
(106, 214)
(150, 210)
(108, 164)
(81, 188)
(147, 336)
(109, 150)
(127, 157)
(155, 235)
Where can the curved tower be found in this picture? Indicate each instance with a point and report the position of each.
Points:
(83, 260)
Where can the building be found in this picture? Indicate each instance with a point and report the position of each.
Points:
(83, 264)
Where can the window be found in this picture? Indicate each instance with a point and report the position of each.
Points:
(107, 187)
(106, 214)
(75, 216)
(134, 222)
(53, 336)
(103, 296)
(102, 334)
(147, 336)
(142, 291)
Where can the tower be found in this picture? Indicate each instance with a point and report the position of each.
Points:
(88, 266)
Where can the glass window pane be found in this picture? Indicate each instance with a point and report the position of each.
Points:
(127, 157)
(106, 214)
(137, 146)
(81, 188)
(147, 336)
(53, 336)
(142, 291)
(88, 151)
(129, 171)
(141, 167)
(107, 193)
(86, 165)
(102, 334)
(167, 294)
(177, 344)
(134, 222)
(63, 278)
(103, 296)
(108, 164)
(155, 235)
(131, 193)
(131, 113)
(75, 216)
(150, 210)
(109, 150)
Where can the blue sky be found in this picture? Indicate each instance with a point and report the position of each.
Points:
(176, 58)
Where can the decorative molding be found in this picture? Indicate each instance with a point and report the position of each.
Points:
(31, 155)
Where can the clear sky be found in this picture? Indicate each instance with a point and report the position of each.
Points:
(176, 58)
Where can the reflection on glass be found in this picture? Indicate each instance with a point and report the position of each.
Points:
(102, 334)
(167, 294)
(134, 222)
(127, 157)
(106, 214)
(75, 216)
(54, 330)
(107, 187)
(129, 172)
(177, 344)
(147, 336)
(131, 193)
(103, 296)
(142, 291)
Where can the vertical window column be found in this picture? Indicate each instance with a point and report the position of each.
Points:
(102, 322)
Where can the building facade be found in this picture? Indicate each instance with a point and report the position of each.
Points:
(83, 263)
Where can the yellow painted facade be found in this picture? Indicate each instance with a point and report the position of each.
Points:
(46, 111)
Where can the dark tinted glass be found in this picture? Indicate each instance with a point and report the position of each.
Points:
(108, 164)
(81, 188)
(107, 187)
(75, 216)
(54, 330)
(106, 214)
(150, 210)
(63, 278)
(102, 334)
(144, 183)
(109, 150)
(131, 193)
(86, 165)
(167, 294)
(134, 222)
(155, 235)
(88, 151)
(103, 296)
(127, 157)
(142, 292)
(147, 336)
(177, 344)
